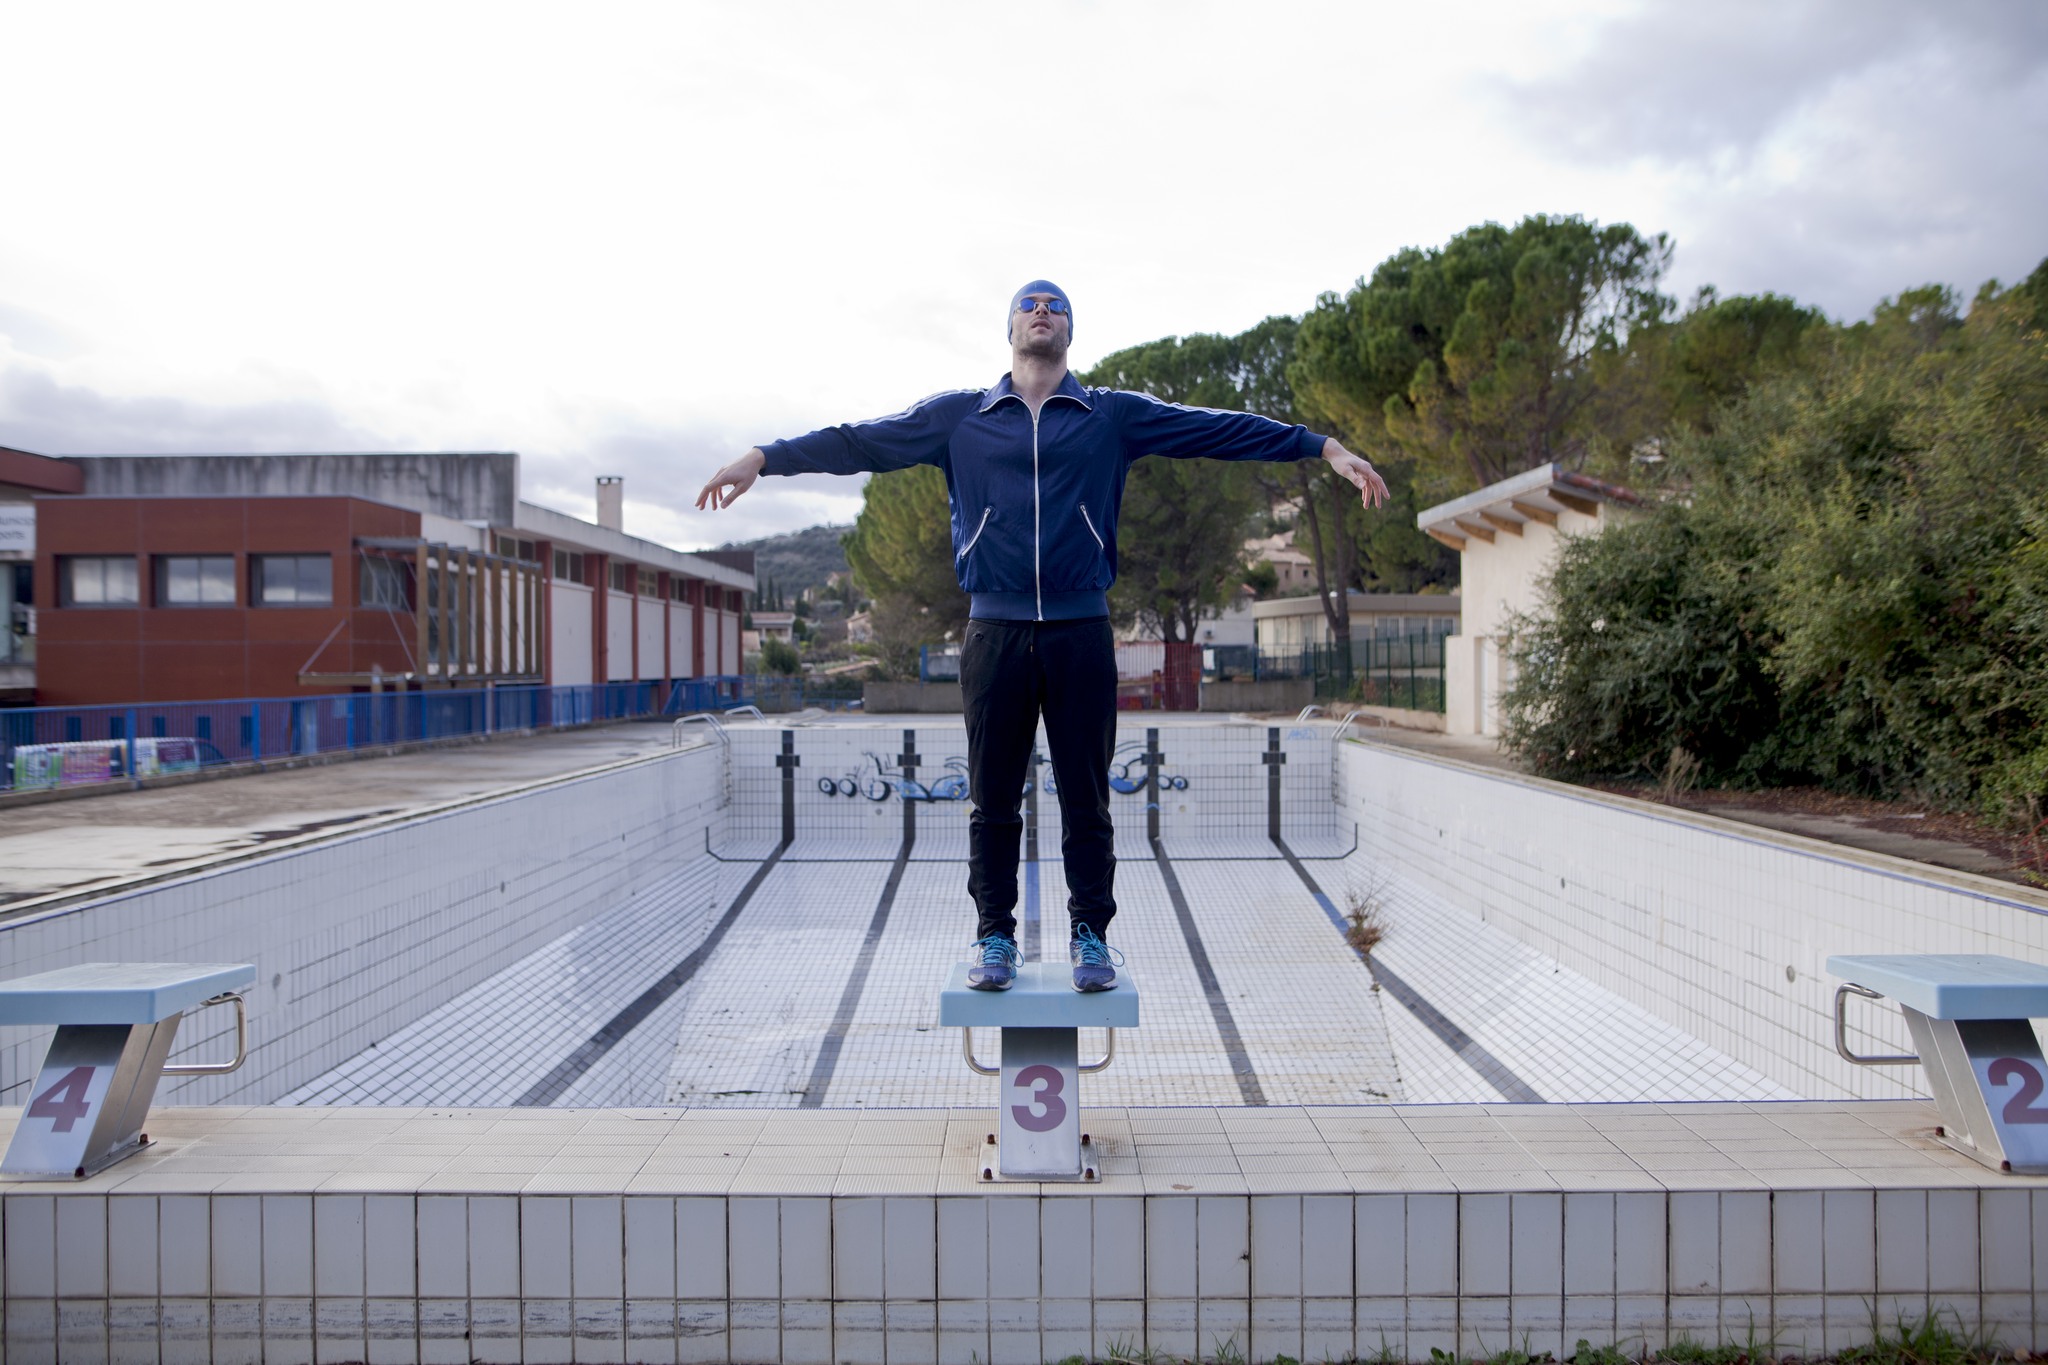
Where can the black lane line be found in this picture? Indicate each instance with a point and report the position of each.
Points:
(1489, 1067)
(849, 999)
(556, 1083)
(1219, 1008)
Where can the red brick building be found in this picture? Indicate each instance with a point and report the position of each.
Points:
(174, 595)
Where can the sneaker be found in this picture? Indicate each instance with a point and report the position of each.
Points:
(1095, 962)
(995, 966)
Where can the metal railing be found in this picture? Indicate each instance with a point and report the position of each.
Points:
(1405, 671)
(69, 746)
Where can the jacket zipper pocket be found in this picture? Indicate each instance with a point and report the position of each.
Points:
(979, 528)
(1089, 522)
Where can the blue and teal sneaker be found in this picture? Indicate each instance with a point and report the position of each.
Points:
(995, 963)
(1095, 962)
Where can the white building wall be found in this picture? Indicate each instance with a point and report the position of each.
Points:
(652, 636)
(570, 606)
(618, 636)
(729, 642)
(1499, 581)
(385, 926)
(1721, 929)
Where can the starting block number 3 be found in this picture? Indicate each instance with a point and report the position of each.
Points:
(1043, 1110)
(1041, 1131)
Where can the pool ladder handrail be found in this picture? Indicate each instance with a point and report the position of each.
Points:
(675, 733)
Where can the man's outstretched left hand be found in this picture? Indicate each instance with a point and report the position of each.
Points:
(1371, 487)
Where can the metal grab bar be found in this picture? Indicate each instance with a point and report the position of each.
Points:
(241, 1042)
(1842, 1032)
(1085, 1068)
(1309, 712)
(675, 733)
(967, 1051)
(1108, 1054)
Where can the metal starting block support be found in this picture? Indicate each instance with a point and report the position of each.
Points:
(1039, 1112)
(1971, 1020)
(115, 1022)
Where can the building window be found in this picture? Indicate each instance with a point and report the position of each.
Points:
(511, 547)
(620, 580)
(97, 580)
(383, 583)
(650, 583)
(195, 580)
(569, 567)
(292, 580)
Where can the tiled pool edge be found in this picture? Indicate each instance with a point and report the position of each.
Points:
(277, 1236)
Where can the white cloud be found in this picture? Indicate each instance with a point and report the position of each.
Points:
(633, 239)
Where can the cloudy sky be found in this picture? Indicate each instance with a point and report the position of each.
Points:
(635, 239)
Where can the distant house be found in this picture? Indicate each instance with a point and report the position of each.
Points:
(860, 628)
(776, 625)
(1507, 536)
(1292, 570)
(1285, 625)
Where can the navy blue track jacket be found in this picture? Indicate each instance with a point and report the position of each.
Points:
(1035, 502)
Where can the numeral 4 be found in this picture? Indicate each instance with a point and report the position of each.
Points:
(65, 1101)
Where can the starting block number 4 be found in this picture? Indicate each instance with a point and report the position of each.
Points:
(1041, 1130)
(73, 1104)
(72, 1098)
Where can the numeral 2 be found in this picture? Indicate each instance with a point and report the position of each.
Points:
(2020, 1108)
(66, 1102)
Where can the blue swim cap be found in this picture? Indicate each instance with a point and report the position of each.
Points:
(1039, 287)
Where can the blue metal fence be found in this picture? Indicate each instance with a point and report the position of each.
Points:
(51, 746)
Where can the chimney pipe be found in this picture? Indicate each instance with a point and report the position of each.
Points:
(611, 503)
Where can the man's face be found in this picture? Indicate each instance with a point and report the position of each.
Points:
(1040, 332)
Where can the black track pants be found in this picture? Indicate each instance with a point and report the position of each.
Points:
(1010, 673)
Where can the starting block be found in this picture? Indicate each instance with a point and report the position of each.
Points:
(115, 1022)
(1041, 1016)
(1971, 1021)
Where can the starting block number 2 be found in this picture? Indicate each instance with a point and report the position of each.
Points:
(2009, 1071)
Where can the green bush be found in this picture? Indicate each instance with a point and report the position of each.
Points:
(1844, 581)
(779, 656)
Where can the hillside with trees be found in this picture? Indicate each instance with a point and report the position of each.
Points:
(797, 563)
(1841, 577)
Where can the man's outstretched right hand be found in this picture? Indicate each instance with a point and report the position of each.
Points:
(728, 483)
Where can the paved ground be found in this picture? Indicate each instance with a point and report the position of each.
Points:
(1369, 1149)
(1873, 832)
(101, 841)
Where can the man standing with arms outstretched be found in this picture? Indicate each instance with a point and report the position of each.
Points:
(1035, 472)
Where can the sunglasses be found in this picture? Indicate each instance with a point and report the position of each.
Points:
(1051, 305)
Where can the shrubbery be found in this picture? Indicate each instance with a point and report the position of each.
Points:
(1843, 579)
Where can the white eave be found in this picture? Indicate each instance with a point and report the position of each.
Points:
(1540, 495)
(544, 523)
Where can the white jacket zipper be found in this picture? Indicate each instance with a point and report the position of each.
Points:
(1089, 522)
(1037, 580)
(985, 512)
